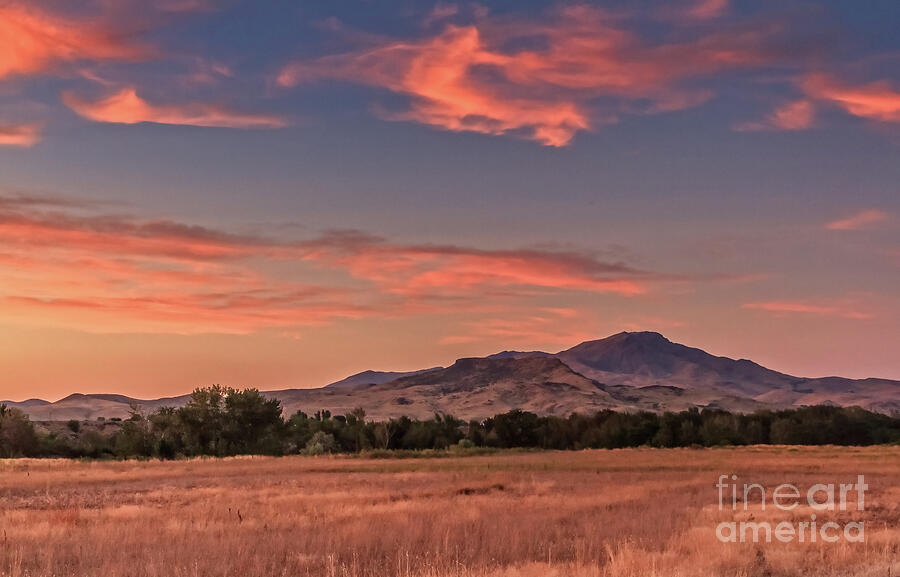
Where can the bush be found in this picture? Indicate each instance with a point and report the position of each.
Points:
(321, 444)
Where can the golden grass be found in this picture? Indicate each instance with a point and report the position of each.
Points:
(620, 513)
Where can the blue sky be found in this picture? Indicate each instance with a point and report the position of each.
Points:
(514, 174)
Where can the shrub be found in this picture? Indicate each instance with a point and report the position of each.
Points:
(321, 444)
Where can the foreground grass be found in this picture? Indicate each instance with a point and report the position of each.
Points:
(632, 512)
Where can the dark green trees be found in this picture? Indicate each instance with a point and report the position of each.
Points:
(220, 421)
(17, 435)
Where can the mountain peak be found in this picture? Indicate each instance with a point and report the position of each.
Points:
(518, 355)
(648, 358)
(625, 339)
(638, 336)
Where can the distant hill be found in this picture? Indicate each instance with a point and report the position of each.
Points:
(26, 403)
(627, 371)
(90, 407)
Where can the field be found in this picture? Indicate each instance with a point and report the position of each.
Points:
(619, 513)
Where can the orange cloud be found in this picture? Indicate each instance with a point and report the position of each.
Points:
(60, 266)
(877, 101)
(34, 41)
(63, 264)
(438, 270)
(524, 327)
(19, 135)
(809, 309)
(126, 107)
(468, 79)
(797, 115)
(860, 220)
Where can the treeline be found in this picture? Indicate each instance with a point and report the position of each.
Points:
(220, 421)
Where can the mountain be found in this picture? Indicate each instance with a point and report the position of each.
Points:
(518, 354)
(646, 358)
(627, 371)
(374, 378)
(472, 388)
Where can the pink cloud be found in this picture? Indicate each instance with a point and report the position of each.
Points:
(467, 79)
(802, 307)
(61, 263)
(441, 11)
(522, 327)
(34, 41)
(877, 101)
(706, 9)
(797, 115)
(126, 107)
(860, 220)
(440, 270)
(19, 135)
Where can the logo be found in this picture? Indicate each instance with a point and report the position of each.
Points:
(818, 498)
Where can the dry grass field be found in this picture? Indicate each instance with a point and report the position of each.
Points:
(619, 513)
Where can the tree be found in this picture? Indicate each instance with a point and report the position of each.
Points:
(202, 421)
(320, 444)
(253, 423)
(134, 438)
(517, 428)
(384, 432)
(356, 423)
(17, 434)
(167, 433)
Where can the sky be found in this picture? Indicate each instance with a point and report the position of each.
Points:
(279, 194)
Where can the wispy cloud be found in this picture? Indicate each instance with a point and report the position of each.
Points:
(65, 263)
(467, 78)
(860, 220)
(796, 115)
(35, 41)
(877, 101)
(545, 326)
(19, 135)
(447, 270)
(846, 311)
(706, 9)
(126, 107)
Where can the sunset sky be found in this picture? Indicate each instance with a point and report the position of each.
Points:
(279, 194)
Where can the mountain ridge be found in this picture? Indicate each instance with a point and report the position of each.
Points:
(626, 371)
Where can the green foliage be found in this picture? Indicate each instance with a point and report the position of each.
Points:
(321, 443)
(202, 422)
(252, 423)
(219, 421)
(17, 434)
